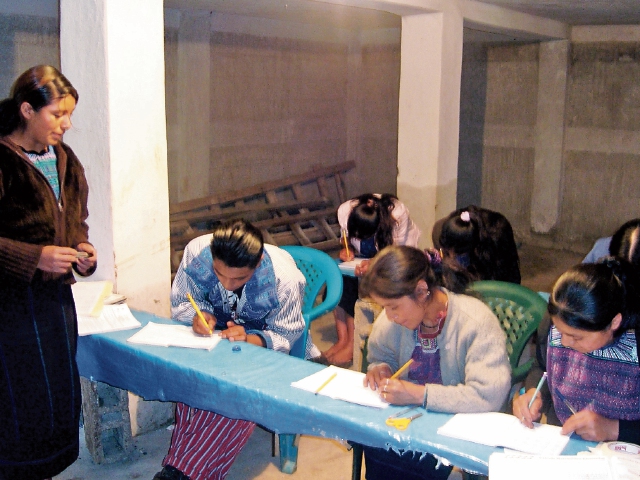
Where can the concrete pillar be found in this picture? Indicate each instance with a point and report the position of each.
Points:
(549, 135)
(354, 100)
(194, 105)
(429, 111)
(113, 53)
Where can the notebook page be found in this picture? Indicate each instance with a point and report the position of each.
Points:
(347, 386)
(502, 430)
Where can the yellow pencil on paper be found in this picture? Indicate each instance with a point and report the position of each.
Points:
(326, 382)
(402, 369)
(346, 242)
(200, 315)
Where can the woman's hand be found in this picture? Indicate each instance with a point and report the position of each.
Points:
(521, 407)
(362, 268)
(57, 259)
(85, 264)
(347, 256)
(376, 376)
(199, 328)
(591, 426)
(401, 392)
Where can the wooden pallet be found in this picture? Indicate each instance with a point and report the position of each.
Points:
(299, 210)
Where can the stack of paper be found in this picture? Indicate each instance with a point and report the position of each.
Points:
(507, 466)
(111, 319)
(346, 385)
(89, 296)
(173, 336)
(502, 430)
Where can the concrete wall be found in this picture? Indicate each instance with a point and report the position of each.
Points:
(601, 150)
(26, 41)
(279, 106)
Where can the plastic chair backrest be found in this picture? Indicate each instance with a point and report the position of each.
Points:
(319, 270)
(519, 310)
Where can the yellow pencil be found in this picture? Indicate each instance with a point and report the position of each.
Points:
(200, 315)
(402, 369)
(346, 243)
(326, 383)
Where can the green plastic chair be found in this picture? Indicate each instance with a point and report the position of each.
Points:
(519, 310)
(320, 270)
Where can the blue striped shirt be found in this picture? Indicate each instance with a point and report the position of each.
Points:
(270, 304)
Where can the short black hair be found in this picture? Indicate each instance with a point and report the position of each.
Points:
(237, 243)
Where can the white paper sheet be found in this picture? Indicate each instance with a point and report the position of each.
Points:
(111, 319)
(350, 266)
(173, 336)
(507, 466)
(502, 430)
(347, 386)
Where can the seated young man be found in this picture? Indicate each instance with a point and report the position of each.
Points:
(253, 293)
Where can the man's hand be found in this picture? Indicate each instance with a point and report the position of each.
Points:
(237, 333)
(84, 264)
(198, 326)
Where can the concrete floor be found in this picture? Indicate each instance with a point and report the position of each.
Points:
(319, 459)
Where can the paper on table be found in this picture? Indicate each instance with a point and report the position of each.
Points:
(507, 466)
(111, 319)
(347, 386)
(502, 430)
(173, 336)
(350, 266)
(89, 296)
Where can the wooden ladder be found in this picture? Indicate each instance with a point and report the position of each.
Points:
(295, 211)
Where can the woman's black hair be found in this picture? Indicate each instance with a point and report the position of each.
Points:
(237, 243)
(372, 216)
(486, 239)
(588, 296)
(39, 86)
(396, 270)
(625, 242)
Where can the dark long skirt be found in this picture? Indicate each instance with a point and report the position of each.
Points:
(39, 383)
(382, 464)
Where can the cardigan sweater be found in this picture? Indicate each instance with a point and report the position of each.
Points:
(30, 215)
(476, 375)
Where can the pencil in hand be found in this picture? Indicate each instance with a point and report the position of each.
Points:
(346, 242)
(199, 313)
(402, 369)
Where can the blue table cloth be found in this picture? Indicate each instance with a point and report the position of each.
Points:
(255, 384)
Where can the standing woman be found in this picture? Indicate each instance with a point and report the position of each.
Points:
(43, 235)
(459, 352)
(371, 221)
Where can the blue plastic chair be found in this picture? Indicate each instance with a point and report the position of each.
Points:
(319, 270)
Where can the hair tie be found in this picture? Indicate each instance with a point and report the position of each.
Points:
(465, 217)
(433, 256)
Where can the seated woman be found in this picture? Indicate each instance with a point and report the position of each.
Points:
(460, 361)
(592, 353)
(623, 243)
(482, 241)
(371, 222)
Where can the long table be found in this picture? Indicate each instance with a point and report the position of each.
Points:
(255, 384)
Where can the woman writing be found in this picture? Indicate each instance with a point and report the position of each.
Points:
(43, 235)
(371, 222)
(481, 241)
(592, 355)
(458, 349)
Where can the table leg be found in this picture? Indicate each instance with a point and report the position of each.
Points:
(288, 452)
